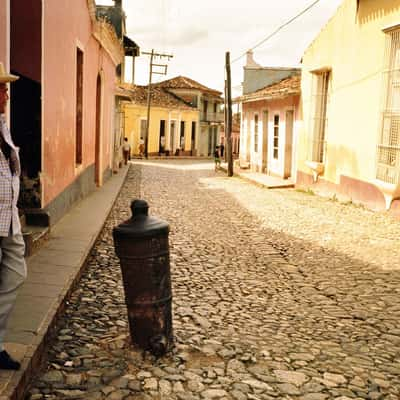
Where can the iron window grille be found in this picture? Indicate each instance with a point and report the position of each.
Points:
(276, 137)
(388, 147)
(319, 120)
(256, 133)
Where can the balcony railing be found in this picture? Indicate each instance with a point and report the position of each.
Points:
(212, 116)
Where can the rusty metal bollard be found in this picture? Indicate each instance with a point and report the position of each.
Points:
(141, 243)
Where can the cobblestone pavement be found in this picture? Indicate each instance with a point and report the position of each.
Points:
(277, 295)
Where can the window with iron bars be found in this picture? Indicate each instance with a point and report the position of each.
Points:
(319, 119)
(255, 133)
(276, 137)
(388, 148)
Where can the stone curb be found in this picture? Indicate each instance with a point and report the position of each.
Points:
(15, 388)
(248, 179)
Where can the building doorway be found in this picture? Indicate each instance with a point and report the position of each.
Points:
(97, 155)
(193, 139)
(161, 144)
(265, 142)
(289, 119)
(25, 93)
(248, 139)
(172, 129)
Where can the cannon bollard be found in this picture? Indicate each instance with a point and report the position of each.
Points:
(141, 244)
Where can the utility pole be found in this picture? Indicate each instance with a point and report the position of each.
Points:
(225, 119)
(228, 128)
(152, 54)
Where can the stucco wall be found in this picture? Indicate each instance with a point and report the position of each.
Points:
(353, 47)
(3, 32)
(107, 68)
(65, 29)
(26, 27)
(135, 113)
(263, 158)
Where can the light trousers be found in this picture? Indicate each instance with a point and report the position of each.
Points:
(12, 275)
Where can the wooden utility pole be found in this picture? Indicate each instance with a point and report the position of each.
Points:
(228, 128)
(146, 139)
(152, 54)
(225, 120)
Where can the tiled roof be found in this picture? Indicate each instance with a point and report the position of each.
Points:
(159, 97)
(121, 91)
(286, 87)
(182, 82)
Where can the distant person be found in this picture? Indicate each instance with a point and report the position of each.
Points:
(221, 149)
(162, 144)
(141, 147)
(12, 246)
(217, 159)
(126, 151)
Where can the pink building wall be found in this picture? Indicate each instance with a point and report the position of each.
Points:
(65, 29)
(3, 32)
(278, 105)
(235, 138)
(273, 106)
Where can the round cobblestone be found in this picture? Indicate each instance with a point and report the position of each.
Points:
(277, 294)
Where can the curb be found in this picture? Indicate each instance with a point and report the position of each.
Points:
(16, 387)
(257, 183)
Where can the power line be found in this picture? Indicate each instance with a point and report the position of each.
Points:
(278, 29)
(152, 54)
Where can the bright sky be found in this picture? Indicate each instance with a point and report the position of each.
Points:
(199, 33)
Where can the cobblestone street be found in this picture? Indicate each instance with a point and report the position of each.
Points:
(277, 294)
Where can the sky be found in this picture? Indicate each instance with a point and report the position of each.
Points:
(199, 33)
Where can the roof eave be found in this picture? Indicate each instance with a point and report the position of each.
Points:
(268, 97)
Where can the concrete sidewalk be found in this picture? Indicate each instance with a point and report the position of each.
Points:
(263, 180)
(52, 272)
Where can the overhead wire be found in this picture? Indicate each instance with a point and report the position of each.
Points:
(163, 34)
(277, 30)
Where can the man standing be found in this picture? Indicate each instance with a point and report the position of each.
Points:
(221, 149)
(12, 247)
(126, 150)
(141, 147)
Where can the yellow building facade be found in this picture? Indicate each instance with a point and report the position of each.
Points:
(349, 145)
(173, 123)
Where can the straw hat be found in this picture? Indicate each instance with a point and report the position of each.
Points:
(4, 77)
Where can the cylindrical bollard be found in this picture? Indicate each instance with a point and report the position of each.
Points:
(141, 243)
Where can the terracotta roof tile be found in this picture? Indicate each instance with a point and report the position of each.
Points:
(123, 92)
(159, 97)
(286, 87)
(183, 82)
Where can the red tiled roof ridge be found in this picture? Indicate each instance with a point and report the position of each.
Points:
(183, 82)
(286, 86)
(293, 78)
(159, 97)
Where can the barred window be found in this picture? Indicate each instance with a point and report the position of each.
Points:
(255, 133)
(388, 148)
(319, 115)
(276, 137)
